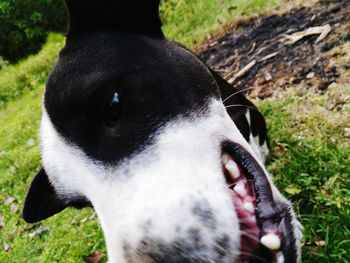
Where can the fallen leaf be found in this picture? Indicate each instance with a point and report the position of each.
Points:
(311, 75)
(347, 132)
(39, 231)
(93, 258)
(267, 76)
(293, 189)
(320, 243)
(7, 247)
(9, 200)
(2, 222)
(14, 208)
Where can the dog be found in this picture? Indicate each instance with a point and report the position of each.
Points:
(169, 155)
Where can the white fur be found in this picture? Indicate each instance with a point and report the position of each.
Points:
(156, 187)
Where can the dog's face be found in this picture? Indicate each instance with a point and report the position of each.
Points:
(136, 127)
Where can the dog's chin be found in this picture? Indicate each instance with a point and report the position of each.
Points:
(266, 226)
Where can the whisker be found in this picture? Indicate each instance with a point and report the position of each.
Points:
(220, 247)
(252, 256)
(249, 236)
(235, 105)
(239, 114)
(241, 105)
(237, 92)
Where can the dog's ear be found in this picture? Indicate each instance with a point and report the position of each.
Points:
(240, 105)
(42, 200)
(139, 16)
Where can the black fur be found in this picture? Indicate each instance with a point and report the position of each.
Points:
(138, 16)
(42, 200)
(156, 80)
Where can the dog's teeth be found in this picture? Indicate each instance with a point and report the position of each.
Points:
(240, 190)
(232, 168)
(271, 241)
(279, 257)
(248, 206)
(225, 158)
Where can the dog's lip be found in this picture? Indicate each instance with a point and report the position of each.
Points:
(271, 216)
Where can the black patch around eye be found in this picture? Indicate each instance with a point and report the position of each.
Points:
(112, 110)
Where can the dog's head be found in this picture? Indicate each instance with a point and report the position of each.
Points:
(135, 125)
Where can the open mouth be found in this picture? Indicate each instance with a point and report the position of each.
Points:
(265, 225)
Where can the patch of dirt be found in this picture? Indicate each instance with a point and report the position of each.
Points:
(264, 56)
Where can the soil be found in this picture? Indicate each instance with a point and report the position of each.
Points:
(278, 64)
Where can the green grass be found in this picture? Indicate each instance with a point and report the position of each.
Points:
(189, 22)
(311, 163)
(310, 156)
(71, 234)
(16, 80)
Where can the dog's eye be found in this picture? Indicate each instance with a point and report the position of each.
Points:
(112, 111)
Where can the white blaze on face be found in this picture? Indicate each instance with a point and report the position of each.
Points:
(158, 193)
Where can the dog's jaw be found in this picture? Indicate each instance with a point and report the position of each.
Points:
(169, 193)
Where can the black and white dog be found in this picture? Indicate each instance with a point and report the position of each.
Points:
(169, 155)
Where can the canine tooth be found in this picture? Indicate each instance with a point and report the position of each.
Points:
(279, 257)
(249, 207)
(240, 190)
(225, 158)
(232, 168)
(271, 241)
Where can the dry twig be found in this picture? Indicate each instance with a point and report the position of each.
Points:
(242, 72)
(323, 31)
